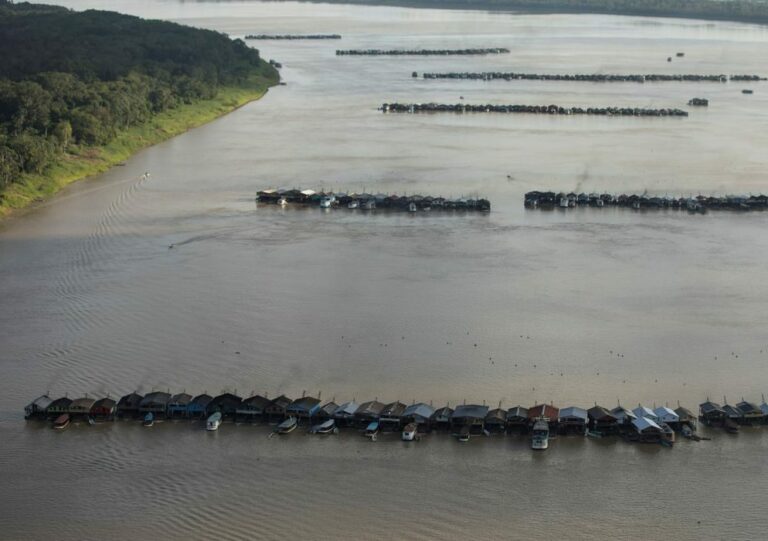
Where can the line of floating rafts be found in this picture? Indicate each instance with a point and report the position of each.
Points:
(698, 204)
(291, 37)
(421, 52)
(528, 109)
(541, 422)
(369, 201)
(590, 77)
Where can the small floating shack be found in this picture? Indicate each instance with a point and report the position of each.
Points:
(81, 407)
(602, 421)
(278, 408)
(38, 407)
(156, 403)
(420, 414)
(225, 403)
(344, 415)
(252, 409)
(496, 421)
(646, 430)
(711, 413)
(178, 405)
(572, 420)
(103, 409)
(751, 415)
(199, 406)
(326, 411)
(667, 416)
(471, 415)
(304, 408)
(389, 417)
(58, 407)
(367, 413)
(546, 412)
(517, 420)
(128, 406)
(441, 419)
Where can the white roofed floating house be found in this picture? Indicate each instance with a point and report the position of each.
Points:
(646, 430)
(573, 420)
(36, 408)
(667, 416)
(623, 416)
(344, 415)
(642, 411)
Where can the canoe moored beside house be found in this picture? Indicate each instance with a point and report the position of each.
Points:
(36, 409)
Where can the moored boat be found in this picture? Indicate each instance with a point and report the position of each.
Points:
(328, 427)
(61, 422)
(287, 426)
(372, 430)
(409, 432)
(353, 204)
(214, 421)
(540, 435)
(464, 434)
(149, 419)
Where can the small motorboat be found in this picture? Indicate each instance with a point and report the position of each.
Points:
(372, 430)
(409, 432)
(327, 201)
(594, 434)
(282, 201)
(412, 207)
(730, 426)
(213, 422)
(289, 425)
(667, 435)
(369, 204)
(747, 91)
(328, 427)
(149, 419)
(61, 422)
(463, 434)
(540, 435)
(353, 204)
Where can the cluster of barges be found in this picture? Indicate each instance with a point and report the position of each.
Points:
(421, 52)
(369, 201)
(700, 203)
(529, 109)
(292, 36)
(641, 424)
(590, 77)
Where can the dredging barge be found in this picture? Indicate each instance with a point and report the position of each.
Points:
(292, 37)
(590, 77)
(640, 424)
(414, 108)
(368, 201)
(549, 200)
(421, 52)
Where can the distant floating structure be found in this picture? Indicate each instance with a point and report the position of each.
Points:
(370, 201)
(292, 36)
(529, 109)
(421, 52)
(593, 77)
(547, 200)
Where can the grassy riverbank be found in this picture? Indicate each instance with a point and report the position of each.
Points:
(82, 161)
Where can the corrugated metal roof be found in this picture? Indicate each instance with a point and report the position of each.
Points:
(442, 414)
(710, 407)
(470, 411)
(496, 415)
(642, 411)
(41, 402)
(666, 415)
(573, 412)
(181, 399)
(155, 398)
(104, 403)
(201, 400)
(684, 413)
(518, 412)
(599, 413)
(621, 413)
(748, 408)
(281, 401)
(419, 409)
(372, 407)
(347, 409)
(394, 409)
(644, 423)
(330, 408)
(305, 404)
(543, 410)
(82, 404)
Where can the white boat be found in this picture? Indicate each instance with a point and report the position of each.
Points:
(372, 430)
(282, 201)
(327, 201)
(540, 435)
(289, 425)
(149, 419)
(564, 202)
(463, 434)
(412, 207)
(409, 432)
(369, 204)
(353, 204)
(328, 427)
(213, 422)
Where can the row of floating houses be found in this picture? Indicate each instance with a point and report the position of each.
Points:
(421, 52)
(529, 109)
(591, 77)
(369, 201)
(639, 424)
(701, 203)
(292, 37)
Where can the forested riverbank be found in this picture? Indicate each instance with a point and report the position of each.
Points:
(82, 91)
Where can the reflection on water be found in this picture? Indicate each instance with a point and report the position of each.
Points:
(518, 306)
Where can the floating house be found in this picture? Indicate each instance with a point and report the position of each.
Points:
(624, 416)
(155, 402)
(198, 406)
(764, 409)
(304, 408)
(81, 407)
(103, 409)
(642, 411)
(470, 415)
(603, 421)
(225, 403)
(733, 413)
(37, 408)
(178, 405)
(667, 416)
(344, 415)
(544, 411)
(128, 406)
(326, 411)
(441, 419)
(573, 420)
(368, 412)
(751, 414)
(646, 430)
(517, 420)
(253, 408)
(420, 414)
(58, 407)
(711, 413)
(389, 417)
(278, 408)
(496, 421)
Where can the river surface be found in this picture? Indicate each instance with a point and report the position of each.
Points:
(514, 306)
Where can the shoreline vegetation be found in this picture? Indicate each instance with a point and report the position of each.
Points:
(743, 11)
(69, 111)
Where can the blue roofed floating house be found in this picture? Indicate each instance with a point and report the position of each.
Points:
(573, 420)
(344, 415)
(304, 408)
(646, 430)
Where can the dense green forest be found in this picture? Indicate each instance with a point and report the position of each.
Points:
(73, 79)
(751, 11)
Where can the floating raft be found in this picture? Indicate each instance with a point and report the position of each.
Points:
(590, 78)
(368, 201)
(528, 109)
(701, 203)
(421, 52)
(292, 36)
